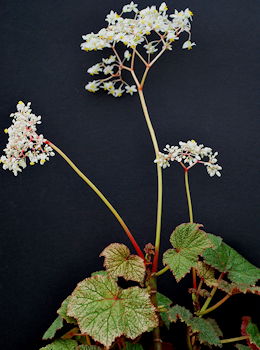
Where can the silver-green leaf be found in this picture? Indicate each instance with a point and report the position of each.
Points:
(105, 311)
(119, 262)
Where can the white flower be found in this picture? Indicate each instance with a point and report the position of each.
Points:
(93, 86)
(188, 45)
(24, 142)
(213, 169)
(109, 60)
(108, 70)
(127, 55)
(189, 154)
(163, 7)
(171, 36)
(112, 17)
(162, 160)
(188, 13)
(96, 69)
(130, 89)
(130, 7)
(108, 86)
(150, 48)
(118, 92)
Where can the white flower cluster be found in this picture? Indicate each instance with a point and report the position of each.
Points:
(188, 154)
(132, 32)
(113, 84)
(24, 142)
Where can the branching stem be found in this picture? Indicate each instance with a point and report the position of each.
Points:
(212, 293)
(214, 307)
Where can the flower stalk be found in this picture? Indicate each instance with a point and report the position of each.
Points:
(159, 181)
(187, 187)
(101, 196)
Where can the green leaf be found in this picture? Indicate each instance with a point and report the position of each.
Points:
(88, 347)
(101, 272)
(215, 240)
(163, 303)
(254, 334)
(51, 331)
(226, 259)
(61, 344)
(180, 312)
(62, 311)
(215, 326)
(242, 347)
(119, 262)
(131, 346)
(189, 243)
(208, 331)
(105, 311)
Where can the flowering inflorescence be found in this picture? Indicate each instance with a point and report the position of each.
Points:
(24, 142)
(132, 32)
(188, 154)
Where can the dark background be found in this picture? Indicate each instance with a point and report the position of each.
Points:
(53, 226)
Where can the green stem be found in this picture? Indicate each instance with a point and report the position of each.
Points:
(159, 179)
(187, 187)
(156, 332)
(188, 195)
(212, 293)
(188, 339)
(214, 307)
(162, 271)
(208, 300)
(231, 340)
(101, 196)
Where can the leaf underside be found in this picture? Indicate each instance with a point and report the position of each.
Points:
(61, 344)
(189, 243)
(226, 259)
(208, 330)
(54, 327)
(120, 263)
(105, 311)
(207, 273)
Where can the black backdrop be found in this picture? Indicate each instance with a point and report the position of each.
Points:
(53, 227)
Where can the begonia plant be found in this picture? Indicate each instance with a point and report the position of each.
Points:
(100, 313)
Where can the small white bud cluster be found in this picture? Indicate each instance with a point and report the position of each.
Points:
(188, 154)
(24, 142)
